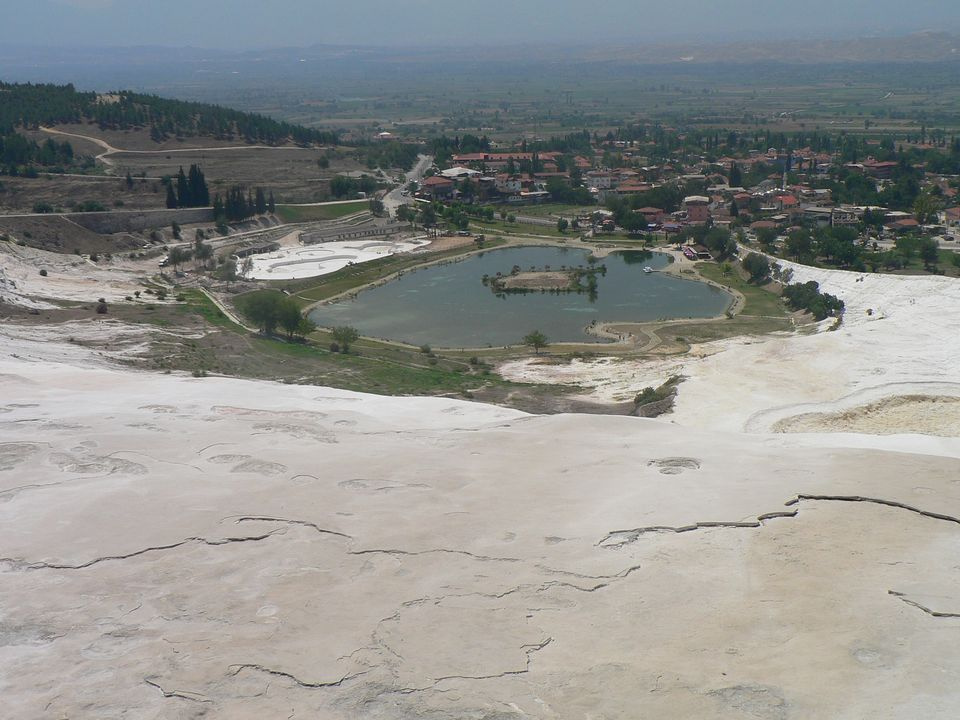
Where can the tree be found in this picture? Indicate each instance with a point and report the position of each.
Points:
(536, 340)
(184, 198)
(261, 202)
(758, 266)
(175, 228)
(736, 177)
(305, 326)
(171, 197)
(376, 206)
(929, 252)
(405, 213)
(177, 257)
(345, 335)
(428, 216)
(925, 208)
(289, 316)
(202, 253)
(271, 205)
(562, 225)
(263, 308)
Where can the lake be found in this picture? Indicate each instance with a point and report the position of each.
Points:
(449, 306)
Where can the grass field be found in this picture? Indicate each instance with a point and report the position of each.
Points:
(370, 366)
(310, 213)
(758, 300)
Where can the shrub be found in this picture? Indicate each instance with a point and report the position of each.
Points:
(807, 296)
(425, 349)
(334, 347)
(101, 307)
(43, 273)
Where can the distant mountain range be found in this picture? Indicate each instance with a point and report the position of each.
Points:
(926, 46)
(178, 70)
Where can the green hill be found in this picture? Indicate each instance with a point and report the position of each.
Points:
(27, 106)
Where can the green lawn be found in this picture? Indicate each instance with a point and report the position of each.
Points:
(310, 213)
(758, 300)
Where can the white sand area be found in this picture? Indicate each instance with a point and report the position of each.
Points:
(291, 263)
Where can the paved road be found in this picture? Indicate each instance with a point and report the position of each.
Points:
(395, 198)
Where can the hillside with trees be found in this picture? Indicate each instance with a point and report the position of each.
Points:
(28, 107)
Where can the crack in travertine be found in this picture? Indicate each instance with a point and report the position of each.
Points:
(486, 558)
(618, 538)
(928, 611)
(305, 523)
(877, 501)
(237, 669)
(19, 563)
(529, 649)
(182, 694)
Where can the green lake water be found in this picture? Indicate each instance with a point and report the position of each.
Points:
(449, 306)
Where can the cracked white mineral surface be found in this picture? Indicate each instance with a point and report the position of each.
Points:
(183, 548)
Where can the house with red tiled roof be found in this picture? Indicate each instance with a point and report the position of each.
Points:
(653, 215)
(881, 170)
(437, 187)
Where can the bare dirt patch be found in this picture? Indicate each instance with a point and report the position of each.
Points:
(546, 280)
(447, 243)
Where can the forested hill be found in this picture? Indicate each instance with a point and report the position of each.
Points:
(29, 106)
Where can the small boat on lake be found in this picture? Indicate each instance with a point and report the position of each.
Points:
(648, 269)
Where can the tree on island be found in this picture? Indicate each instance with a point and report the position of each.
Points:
(536, 340)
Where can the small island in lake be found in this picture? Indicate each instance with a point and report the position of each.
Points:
(564, 279)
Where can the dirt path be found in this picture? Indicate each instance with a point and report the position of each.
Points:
(111, 150)
(231, 315)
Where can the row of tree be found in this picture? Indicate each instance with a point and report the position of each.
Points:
(271, 310)
(188, 190)
(240, 204)
(343, 186)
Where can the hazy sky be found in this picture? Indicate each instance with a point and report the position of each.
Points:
(277, 23)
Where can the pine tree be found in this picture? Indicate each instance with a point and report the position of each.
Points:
(219, 212)
(183, 190)
(171, 196)
(261, 202)
(271, 205)
(199, 193)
